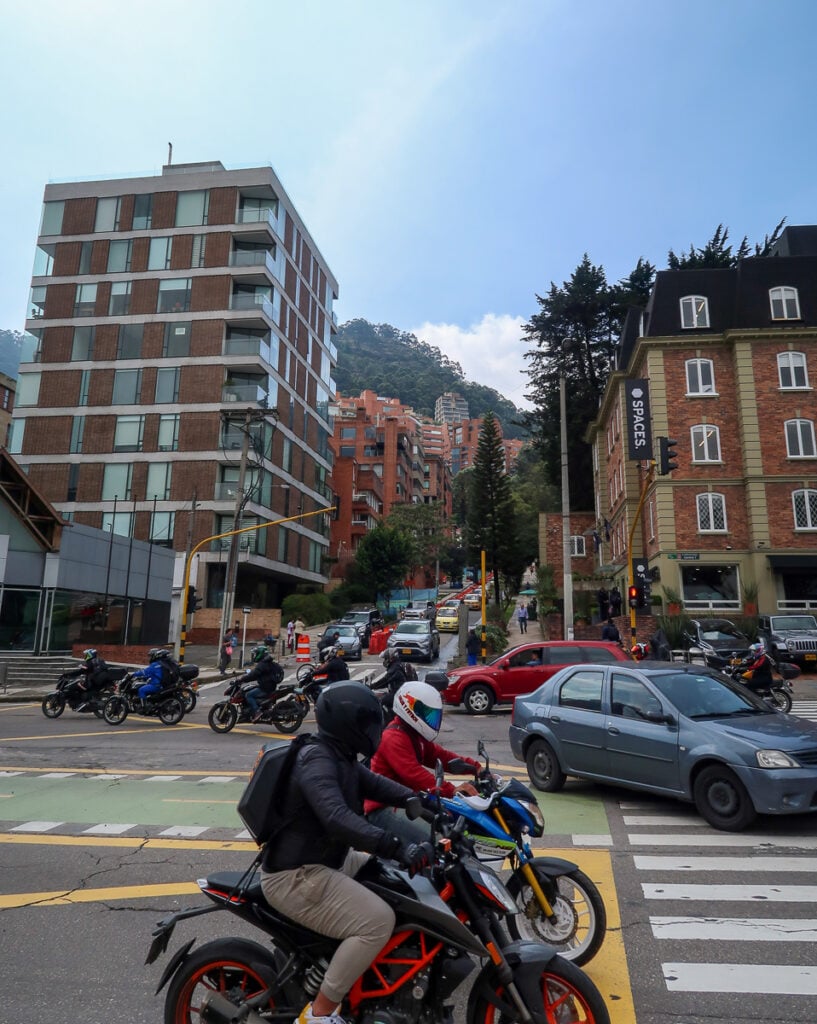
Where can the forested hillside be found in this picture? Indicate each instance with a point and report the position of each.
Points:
(396, 364)
(10, 352)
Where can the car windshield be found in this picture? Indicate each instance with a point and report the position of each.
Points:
(356, 617)
(342, 630)
(720, 629)
(707, 695)
(412, 628)
(794, 622)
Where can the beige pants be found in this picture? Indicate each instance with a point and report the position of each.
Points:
(332, 903)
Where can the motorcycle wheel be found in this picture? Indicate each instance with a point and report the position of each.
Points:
(780, 700)
(287, 716)
(223, 716)
(115, 710)
(235, 968)
(171, 711)
(53, 705)
(568, 997)
(189, 699)
(580, 923)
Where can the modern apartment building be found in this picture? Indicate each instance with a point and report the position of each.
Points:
(451, 408)
(175, 322)
(730, 356)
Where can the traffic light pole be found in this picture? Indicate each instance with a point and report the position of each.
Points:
(219, 536)
(630, 570)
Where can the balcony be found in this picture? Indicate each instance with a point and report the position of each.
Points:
(247, 543)
(254, 301)
(258, 215)
(253, 258)
(226, 491)
(251, 393)
(247, 347)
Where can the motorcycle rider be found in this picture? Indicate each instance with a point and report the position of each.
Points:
(756, 668)
(157, 673)
(91, 675)
(397, 673)
(266, 672)
(333, 666)
(308, 872)
(406, 753)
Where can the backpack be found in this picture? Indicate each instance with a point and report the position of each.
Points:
(275, 673)
(259, 806)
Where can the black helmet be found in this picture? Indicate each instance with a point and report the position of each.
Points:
(89, 654)
(259, 653)
(158, 653)
(351, 714)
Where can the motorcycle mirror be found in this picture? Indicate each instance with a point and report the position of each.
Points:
(439, 776)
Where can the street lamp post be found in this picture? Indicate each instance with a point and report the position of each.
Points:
(567, 579)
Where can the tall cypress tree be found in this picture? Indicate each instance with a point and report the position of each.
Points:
(491, 520)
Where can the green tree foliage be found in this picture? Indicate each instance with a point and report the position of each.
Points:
(716, 252)
(390, 362)
(382, 561)
(424, 527)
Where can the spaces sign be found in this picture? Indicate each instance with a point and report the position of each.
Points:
(639, 433)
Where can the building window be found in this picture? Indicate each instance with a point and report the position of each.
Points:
(784, 303)
(84, 387)
(805, 509)
(82, 345)
(119, 255)
(36, 302)
(159, 254)
(119, 304)
(85, 253)
(694, 311)
(43, 261)
(77, 432)
(199, 250)
(174, 295)
(800, 439)
(177, 340)
(162, 525)
(127, 386)
(706, 443)
(191, 208)
(85, 300)
(116, 481)
(347, 451)
(28, 389)
(18, 429)
(107, 214)
(73, 482)
(129, 343)
(286, 456)
(142, 212)
(711, 513)
(167, 385)
(129, 433)
(791, 367)
(700, 377)
(158, 485)
(348, 433)
(577, 547)
(51, 223)
(169, 433)
(121, 523)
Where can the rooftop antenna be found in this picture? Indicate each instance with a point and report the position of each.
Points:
(169, 153)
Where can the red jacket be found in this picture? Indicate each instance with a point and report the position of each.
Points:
(401, 756)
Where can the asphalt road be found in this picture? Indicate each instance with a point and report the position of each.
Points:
(104, 830)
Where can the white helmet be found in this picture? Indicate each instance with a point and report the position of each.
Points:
(421, 707)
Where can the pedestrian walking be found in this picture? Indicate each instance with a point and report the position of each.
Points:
(298, 628)
(472, 647)
(291, 636)
(522, 617)
(225, 655)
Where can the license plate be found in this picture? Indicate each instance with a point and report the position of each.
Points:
(811, 657)
(405, 650)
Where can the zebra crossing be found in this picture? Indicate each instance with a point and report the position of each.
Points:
(729, 914)
(805, 709)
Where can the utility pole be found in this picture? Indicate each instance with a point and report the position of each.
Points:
(567, 577)
(232, 558)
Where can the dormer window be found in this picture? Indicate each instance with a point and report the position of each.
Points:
(785, 304)
(694, 312)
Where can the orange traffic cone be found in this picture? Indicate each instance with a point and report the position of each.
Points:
(303, 648)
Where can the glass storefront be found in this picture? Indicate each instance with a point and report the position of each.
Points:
(710, 586)
(19, 610)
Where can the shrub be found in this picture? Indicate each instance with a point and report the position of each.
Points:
(312, 608)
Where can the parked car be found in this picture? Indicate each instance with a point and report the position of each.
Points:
(474, 599)
(349, 642)
(717, 636)
(790, 638)
(415, 638)
(678, 730)
(365, 620)
(448, 618)
(521, 670)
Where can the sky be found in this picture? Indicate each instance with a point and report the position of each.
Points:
(451, 158)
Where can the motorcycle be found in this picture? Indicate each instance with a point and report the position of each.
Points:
(556, 902)
(186, 677)
(444, 920)
(167, 705)
(778, 694)
(285, 708)
(93, 701)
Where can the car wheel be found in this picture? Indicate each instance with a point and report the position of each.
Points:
(722, 800)
(478, 700)
(544, 769)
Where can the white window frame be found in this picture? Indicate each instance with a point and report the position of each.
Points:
(132, 428)
(694, 312)
(695, 368)
(808, 497)
(706, 508)
(788, 363)
(801, 431)
(703, 436)
(577, 546)
(788, 302)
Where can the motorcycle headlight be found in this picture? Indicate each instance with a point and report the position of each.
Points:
(495, 891)
(538, 819)
(775, 759)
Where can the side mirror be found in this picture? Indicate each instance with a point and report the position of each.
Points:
(439, 776)
(481, 749)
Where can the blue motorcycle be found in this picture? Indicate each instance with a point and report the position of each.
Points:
(558, 903)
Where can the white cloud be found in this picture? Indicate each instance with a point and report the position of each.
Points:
(490, 352)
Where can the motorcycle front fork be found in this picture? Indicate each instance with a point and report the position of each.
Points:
(528, 873)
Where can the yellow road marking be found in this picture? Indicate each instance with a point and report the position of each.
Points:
(70, 736)
(130, 843)
(17, 707)
(123, 892)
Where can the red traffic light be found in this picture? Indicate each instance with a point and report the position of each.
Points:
(633, 594)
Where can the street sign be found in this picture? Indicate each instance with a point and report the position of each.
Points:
(639, 427)
(246, 610)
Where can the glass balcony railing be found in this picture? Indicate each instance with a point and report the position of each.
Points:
(253, 301)
(252, 258)
(247, 347)
(258, 215)
(226, 491)
(243, 393)
(247, 542)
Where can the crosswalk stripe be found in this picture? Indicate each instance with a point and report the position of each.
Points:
(735, 929)
(754, 979)
(217, 778)
(56, 775)
(8, 775)
(108, 829)
(722, 893)
(663, 819)
(108, 777)
(723, 839)
(186, 831)
(36, 826)
(781, 864)
(162, 778)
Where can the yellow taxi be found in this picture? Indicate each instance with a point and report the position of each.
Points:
(448, 619)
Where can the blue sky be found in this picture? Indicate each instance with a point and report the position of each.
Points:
(451, 157)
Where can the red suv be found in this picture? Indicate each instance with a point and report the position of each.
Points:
(522, 670)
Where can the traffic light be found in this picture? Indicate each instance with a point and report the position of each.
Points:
(635, 595)
(193, 601)
(666, 462)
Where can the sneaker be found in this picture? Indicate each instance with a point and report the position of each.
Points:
(307, 1017)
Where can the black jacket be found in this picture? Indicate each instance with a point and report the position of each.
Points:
(266, 673)
(323, 808)
(335, 669)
